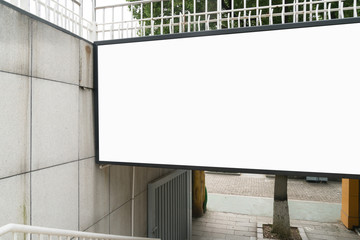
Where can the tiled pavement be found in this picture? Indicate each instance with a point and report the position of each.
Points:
(258, 185)
(230, 226)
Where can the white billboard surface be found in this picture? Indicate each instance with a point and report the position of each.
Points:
(284, 100)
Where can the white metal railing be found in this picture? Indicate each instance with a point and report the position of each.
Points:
(27, 232)
(155, 17)
(67, 14)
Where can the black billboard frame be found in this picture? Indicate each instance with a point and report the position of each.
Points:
(202, 34)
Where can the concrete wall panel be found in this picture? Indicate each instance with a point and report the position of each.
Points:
(55, 123)
(140, 215)
(86, 65)
(120, 220)
(120, 186)
(86, 124)
(101, 226)
(14, 41)
(94, 193)
(45, 112)
(15, 200)
(144, 175)
(55, 197)
(15, 124)
(165, 171)
(55, 55)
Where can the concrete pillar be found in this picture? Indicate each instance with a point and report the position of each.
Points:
(350, 203)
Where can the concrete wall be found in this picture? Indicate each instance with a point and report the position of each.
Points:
(48, 175)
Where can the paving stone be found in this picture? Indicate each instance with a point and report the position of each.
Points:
(228, 222)
(318, 237)
(213, 229)
(198, 223)
(225, 231)
(199, 238)
(237, 237)
(302, 233)
(331, 233)
(215, 225)
(245, 233)
(249, 224)
(239, 228)
(214, 235)
(346, 238)
(196, 232)
(264, 220)
(312, 223)
(207, 220)
(210, 227)
(236, 219)
(258, 185)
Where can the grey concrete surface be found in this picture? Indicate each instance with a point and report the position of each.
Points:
(102, 226)
(14, 41)
(143, 177)
(55, 114)
(48, 176)
(219, 225)
(86, 124)
(15, 124)
(55, 55)
(140, 218)
(86, 65)
(15, 195)
(120, 193)
(120, 220)
(93, 193)
(260, 206)
(55, 197)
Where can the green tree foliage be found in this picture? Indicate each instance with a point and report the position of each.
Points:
(226, 5)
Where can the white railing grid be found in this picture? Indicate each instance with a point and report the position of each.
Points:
(26, 232)
(156, 17)
(67, 14)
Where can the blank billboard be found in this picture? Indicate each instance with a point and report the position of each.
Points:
(259, 99)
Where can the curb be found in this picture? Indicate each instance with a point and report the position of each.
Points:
(260, 233)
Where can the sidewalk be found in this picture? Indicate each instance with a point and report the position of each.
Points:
(230, 226)
(261, 206)
(238, 206)
(258, 185)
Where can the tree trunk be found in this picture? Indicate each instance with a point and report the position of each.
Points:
(281, 219)
(198, 193)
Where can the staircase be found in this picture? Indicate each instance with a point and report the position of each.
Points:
(26, 232)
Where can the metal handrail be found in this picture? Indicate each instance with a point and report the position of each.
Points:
(119, 21)
(64, 16)
(68, 16)
(129, 4)
(186, 20)
(43, 231)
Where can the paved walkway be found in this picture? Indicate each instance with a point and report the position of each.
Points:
(251, 196)
(261, 206)
(230, 226)
(258, 185)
